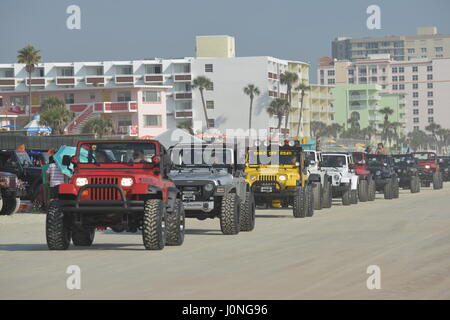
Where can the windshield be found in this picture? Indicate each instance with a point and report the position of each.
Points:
(309, 156)
(117, 152)
(267, 157)
(376, 160)
(357, 157)
(189, 157)
(329, 160)
(424, 156)
(398, 159)
(24, 158)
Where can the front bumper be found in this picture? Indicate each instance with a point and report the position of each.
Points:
(425, 175)
(101, 206)
(271, 190)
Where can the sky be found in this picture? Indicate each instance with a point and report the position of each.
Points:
(137, 29)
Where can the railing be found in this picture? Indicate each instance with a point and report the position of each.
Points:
(125, 106)
(182, 77)
(64, 81)
(183, 95)
(35, 81)
(150, 78)
(7, 82)
(81, 117)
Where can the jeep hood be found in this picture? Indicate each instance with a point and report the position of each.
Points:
(222, 177)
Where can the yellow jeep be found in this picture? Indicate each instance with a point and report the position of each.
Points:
(278, 178)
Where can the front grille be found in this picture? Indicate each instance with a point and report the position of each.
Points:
(106, 194)
(266, 177)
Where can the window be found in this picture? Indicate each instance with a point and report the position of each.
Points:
(423, 50)
(430, 85)
(415, 94)
(210, 87)
(416, 120)
(439, 49)
(415, 69)
(429, 77)
(92, 96)
(429, 93)
(429, 68)
(69, 98)
(351, 80)
(18, 100)
(401, 87)
(124, 69)
(430, 102)
(430, 111)
(416, 128)
(415, 103)
(394, 70)
(411, 50)
(401, 78)
(211, 123)
(394, 87)
(415, 86)
(94, 70)
(330, 72)
(331, 81)
(415, 77)
(415, 111)
(374, 70)
(395, 78)
(65, 72)
(374, 79)
(209, 104)
(351, 72)
(153, 68)
(208, 68)
(151, 96)
(430, 119)
(401, 69)
(152, 120)
(124, 96)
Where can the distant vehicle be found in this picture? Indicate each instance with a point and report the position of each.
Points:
(366, 185)
(11, 189)
(406, 169)
(323, 197)
(340, 167)
(429, 171)
(118, 184)
(20, 164)
(383, 171)
(444, 166)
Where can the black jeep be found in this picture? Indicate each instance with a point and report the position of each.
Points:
(11, 189)
(406, 169)
(386, 179)
(444, 166)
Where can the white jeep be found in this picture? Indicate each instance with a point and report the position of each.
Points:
(323, 197)
(344, 180)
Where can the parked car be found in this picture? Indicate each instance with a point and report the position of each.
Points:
(429, 171)
(323, 197)
(444, 167)
(366, 186)
(406, 169)
(383, 171)
(11, 189)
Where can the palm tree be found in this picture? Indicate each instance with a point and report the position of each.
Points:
(55, 115)
(317, 128)
(433, 128)
(334, 130)
(251, 90)
(202, 83)
(186, 125)
(278, 108)
(289, 79)
(395, 126)
(98, 126)
(386, 111)
(302, 88)
(30, 57)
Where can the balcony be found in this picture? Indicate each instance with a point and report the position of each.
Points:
(183, 114)
(36, 82)
(182, 77)
(153, 78)
(111, 107)
(128, 79)
(183, 96)
(95, 81)
(7, 82)
(65, 81)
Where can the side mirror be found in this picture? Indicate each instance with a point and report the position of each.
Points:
(312, 163)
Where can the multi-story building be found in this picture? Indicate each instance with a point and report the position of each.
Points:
(363, 103)
(145, 97)
(427, 44)
(424, 82)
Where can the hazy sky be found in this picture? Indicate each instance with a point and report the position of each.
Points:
(136, 29)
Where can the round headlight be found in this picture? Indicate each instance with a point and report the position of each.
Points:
(209, 187)
(336, 177)
(282, 178)
(253, 178)
(80, 182)
(427, 166)
(291, 143)
(378, 172)
(126, 182)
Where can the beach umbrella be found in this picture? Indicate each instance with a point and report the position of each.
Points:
(70, 151)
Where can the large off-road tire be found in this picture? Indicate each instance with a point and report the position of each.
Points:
(57, 229)
(310, 201)
(363, 190)
(318, 195)
(414, 184)
(388, 189)
(354, 196)
(9, 206)
(372, 190)
(327, 195)
(83, 237)
(441, 180)
(346, 197)
(153, 225)
(175, 224)
(300, 203)
(247, 211)
(436, 182)
(230, 215)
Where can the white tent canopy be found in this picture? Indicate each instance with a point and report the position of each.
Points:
(172, 137)
(34, 127)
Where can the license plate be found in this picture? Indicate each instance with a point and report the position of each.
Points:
(188, 196)
(266, 189)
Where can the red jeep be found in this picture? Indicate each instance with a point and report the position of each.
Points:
(118, 184)
(428, 167)
(366, 187)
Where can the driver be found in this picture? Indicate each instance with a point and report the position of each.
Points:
(138, 156)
